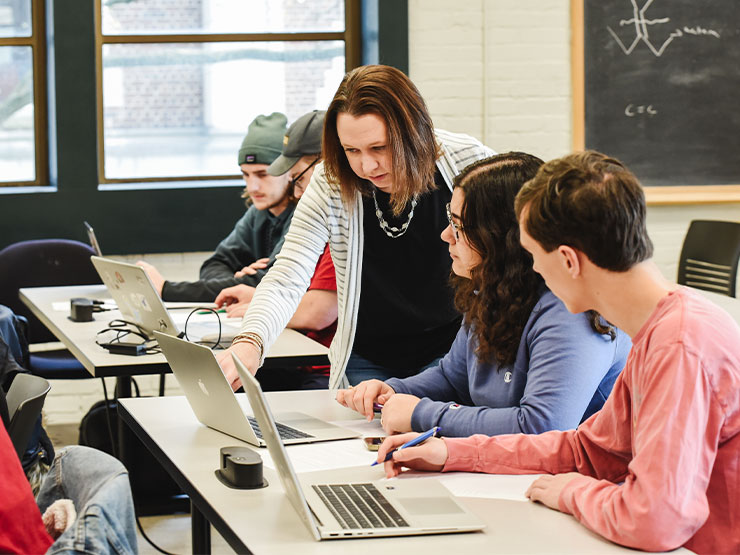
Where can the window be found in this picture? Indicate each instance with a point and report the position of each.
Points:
(179, 81)
(22, 99)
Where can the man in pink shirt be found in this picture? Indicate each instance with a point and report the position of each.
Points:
(659, 466)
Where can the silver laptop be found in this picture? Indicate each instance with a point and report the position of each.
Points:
(215, 405)
(359, 510)
(93, 240)
(135, 296)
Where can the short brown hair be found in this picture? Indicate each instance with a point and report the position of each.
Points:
(590, 202)
(388, 93)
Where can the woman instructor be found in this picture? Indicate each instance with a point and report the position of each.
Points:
(379, 200)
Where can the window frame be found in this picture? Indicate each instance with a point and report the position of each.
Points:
(138, 217)
(37, 42)
(351, 36)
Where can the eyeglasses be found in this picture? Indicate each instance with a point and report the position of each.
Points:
(456, 227)
(294, 182)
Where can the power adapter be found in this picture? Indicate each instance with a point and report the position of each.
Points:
(125, 348)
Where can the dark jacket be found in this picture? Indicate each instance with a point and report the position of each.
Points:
(258, 234)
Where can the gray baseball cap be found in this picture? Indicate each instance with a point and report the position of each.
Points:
(303, 138)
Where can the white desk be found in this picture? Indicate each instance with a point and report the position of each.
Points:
(291, 348)
(264, 521)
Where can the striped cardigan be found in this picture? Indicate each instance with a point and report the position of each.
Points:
(321, 218)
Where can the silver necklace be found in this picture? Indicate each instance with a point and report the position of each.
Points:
(391, 231)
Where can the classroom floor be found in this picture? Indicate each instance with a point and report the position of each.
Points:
(170, 532)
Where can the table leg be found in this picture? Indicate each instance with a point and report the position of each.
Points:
(123, 391)
(201, 531)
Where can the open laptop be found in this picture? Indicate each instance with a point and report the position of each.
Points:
(139, 302)
(359, 510)
(135, 296)
(93, 240)
(215, 405)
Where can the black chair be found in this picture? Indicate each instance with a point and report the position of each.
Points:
(25, 400)
(40, 263)
(709, 256)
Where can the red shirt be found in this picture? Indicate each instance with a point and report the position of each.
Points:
(661, 460)
(324, 278)
(21, 528)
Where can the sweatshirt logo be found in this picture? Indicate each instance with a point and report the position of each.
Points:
(507, 377)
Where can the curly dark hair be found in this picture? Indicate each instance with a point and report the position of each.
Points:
(503, 289)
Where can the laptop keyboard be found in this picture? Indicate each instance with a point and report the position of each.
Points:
(359, 506)
(286, 432)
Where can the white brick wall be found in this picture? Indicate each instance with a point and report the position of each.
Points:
(500, 71)
(69, 400)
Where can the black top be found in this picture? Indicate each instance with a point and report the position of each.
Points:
(406, 317)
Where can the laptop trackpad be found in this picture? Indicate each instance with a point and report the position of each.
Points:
(429, 505)
(301, 421)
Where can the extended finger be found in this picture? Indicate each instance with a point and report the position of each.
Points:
(368, 399)
(340, 397)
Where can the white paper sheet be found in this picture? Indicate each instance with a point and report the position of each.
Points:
(326, 455)
(203, 327)
(488, 486)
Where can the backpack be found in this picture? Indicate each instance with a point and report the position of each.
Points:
(153, 488)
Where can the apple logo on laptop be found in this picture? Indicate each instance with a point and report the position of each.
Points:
(202, 386)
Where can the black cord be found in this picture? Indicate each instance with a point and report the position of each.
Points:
(149, 541)
(122, 331)
(115, 454)
(199, 310)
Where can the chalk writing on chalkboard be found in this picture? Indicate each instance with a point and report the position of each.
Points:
(642, 27)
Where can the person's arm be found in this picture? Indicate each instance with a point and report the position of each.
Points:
(235, 251)
(316, 311)
(203, 290)
(676, 433)
(277, 297)
(564, 362)
(318, 308)
(645, 471)
(446, 382)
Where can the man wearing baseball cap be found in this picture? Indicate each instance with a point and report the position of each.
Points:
(317, 312)
(245, 255)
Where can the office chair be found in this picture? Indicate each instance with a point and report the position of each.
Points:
(25, 400)
(709, 256)
(39, 263)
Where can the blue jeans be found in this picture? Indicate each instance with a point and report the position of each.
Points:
(360, 369)
(98, 486)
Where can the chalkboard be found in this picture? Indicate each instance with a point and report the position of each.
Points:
(661, 88)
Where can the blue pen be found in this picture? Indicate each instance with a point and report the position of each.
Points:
(421, 438)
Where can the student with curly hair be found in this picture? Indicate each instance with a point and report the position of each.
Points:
(521, 362)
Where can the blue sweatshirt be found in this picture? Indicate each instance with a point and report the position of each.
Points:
(562, 374)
